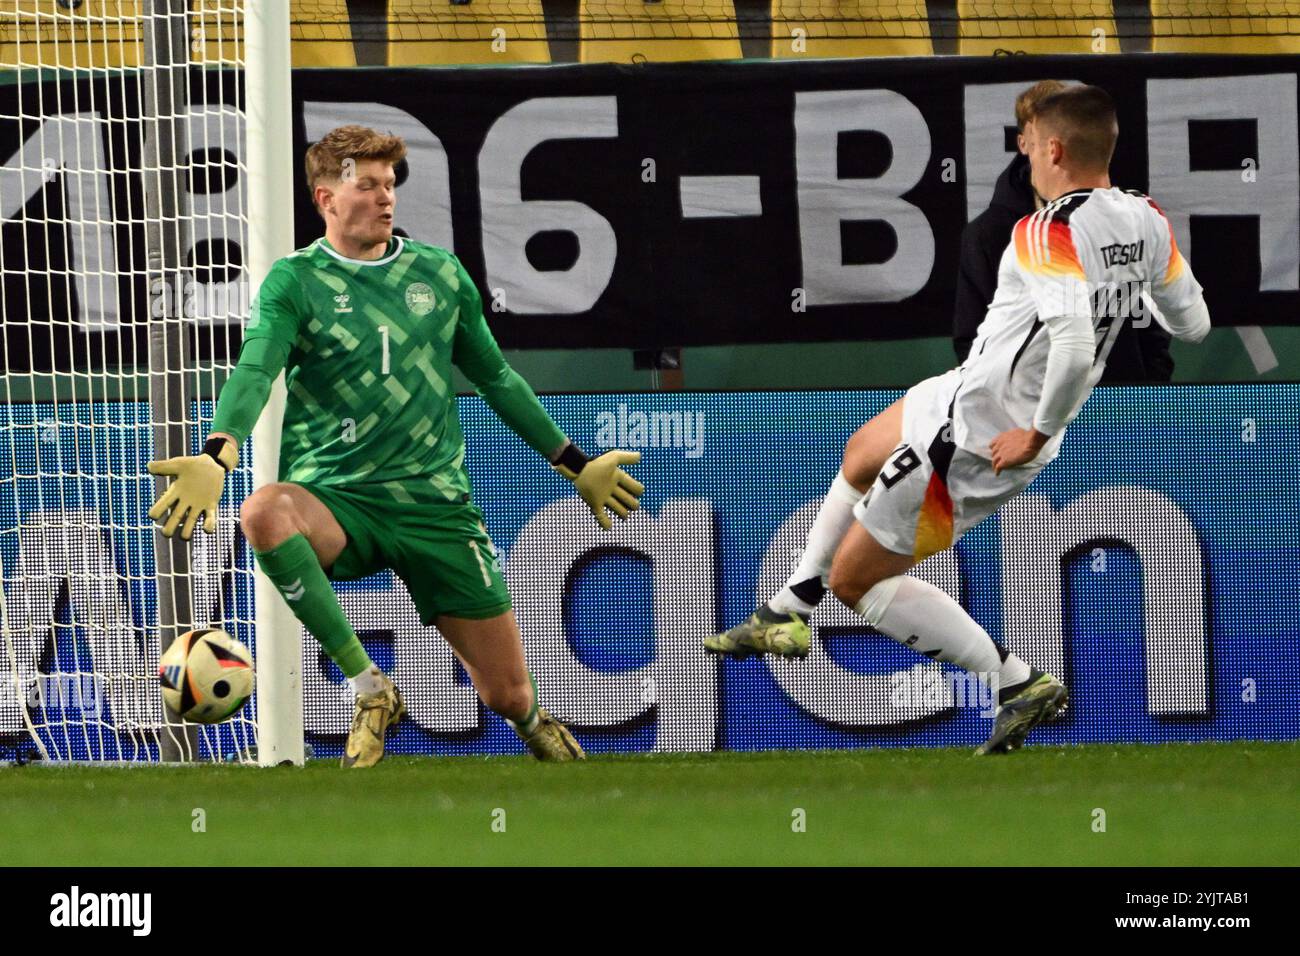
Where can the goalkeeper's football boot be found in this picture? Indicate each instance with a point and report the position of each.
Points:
(1043, 699)
(374, 714)
(765, 632)
(551, 741)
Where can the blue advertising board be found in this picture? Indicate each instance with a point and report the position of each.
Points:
(1154, 566)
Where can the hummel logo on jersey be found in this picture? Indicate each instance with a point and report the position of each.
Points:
(295, 591)
(341, 302)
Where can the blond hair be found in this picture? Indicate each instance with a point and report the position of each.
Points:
(325, 159)
(1084, 119)
(1028, 100)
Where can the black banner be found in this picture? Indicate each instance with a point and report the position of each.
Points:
(707, 203)
(145, 906)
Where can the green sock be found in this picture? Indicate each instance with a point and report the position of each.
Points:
(526, 725)
(294, 568)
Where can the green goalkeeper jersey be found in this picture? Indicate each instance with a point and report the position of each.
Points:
(368, 348)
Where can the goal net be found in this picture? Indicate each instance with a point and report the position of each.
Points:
(123, 266)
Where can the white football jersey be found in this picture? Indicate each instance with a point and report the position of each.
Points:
(1092, 252)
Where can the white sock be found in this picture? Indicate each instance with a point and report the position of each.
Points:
(528, 726)
(1014, 671)
(829, 527)
(926, 619)
(369, 681)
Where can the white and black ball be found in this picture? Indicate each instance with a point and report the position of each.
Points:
(206, 675)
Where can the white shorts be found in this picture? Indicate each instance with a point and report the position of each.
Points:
(931, 492)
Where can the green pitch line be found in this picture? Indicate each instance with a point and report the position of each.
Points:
(1202, 804)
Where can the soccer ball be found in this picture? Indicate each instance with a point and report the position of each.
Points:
(206, 675)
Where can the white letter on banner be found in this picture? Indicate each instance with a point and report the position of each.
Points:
(212, 557)
(71, 147)
(215, 212)
(1274, 196)
(424, 667)
(681, 683)
(424, 200)
(54, 547)
(826, 201)
(820, 685)
(1035, 539)
(990, 109)
(509, 221)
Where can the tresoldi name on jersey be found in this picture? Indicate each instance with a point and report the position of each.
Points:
(625, 428)
(215, 301)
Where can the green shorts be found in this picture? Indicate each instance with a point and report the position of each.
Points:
(441, 552)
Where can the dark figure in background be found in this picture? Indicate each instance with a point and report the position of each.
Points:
(1139, 354)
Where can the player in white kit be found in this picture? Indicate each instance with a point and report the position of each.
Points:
(955, 447)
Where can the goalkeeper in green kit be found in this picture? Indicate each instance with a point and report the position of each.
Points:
(367, 326)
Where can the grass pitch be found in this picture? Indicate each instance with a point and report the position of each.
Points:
(1201, 804)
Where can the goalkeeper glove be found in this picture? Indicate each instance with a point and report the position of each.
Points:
(601, 482)
(196, 488)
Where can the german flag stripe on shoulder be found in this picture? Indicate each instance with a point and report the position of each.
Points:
(1045, 245)
(1175, 266)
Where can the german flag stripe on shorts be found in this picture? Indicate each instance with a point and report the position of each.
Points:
(934, 525)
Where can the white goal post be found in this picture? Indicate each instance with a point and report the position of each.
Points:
(270, 186)
(145, 190)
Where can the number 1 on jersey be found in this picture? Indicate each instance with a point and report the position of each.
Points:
(383, 364)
